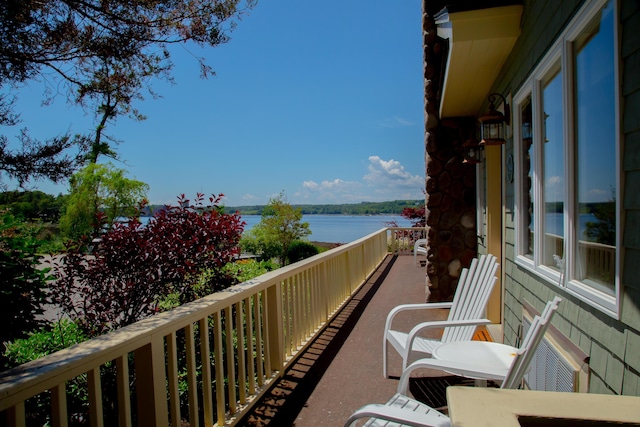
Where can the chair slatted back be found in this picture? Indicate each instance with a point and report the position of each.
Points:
(471, 297)
(530, 343)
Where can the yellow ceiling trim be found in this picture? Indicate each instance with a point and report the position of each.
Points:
(479, 43)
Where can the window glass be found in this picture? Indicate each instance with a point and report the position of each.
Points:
(595, 151)
(553, 173)
(526, 134)
(568, 116)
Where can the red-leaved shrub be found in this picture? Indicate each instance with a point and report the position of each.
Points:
(136, 266)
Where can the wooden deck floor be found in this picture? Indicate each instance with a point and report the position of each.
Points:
(342, 369)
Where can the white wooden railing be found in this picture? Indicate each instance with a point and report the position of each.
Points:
(596, 261)
(205, 362)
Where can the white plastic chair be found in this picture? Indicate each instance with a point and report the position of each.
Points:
(510, 373)
(466, 312)
(404, 410)
(419, 248)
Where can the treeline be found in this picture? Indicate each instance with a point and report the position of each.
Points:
(363, 208)
(33, 205)
(39, 205)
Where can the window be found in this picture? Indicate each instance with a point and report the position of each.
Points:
(567, 144)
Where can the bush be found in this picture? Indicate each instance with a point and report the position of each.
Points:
(247, 269)
(40, 343)
(44, 341)
(255, 243)
(180, 252)
(299, 250)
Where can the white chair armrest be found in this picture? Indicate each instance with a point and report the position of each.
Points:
(397, 415)
(407, 307)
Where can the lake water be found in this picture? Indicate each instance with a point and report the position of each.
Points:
(555, 223)
(340, 228)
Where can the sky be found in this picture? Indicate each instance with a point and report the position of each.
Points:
(320, 100)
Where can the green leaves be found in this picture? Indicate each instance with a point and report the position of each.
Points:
(281, 224)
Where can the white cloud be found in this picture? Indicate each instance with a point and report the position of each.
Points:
(329, 191)
(554, 188)
(554, 180)
(599, 195)
(385, 180)
(390, 174)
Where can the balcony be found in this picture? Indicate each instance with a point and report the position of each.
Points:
(304, 339)
(300, 345)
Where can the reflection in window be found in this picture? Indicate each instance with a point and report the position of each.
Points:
(553, 173)
(569, 119)
(527, 170)
(595, 147)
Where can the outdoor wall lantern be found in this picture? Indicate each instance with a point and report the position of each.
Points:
(471, 151)
(493, 124)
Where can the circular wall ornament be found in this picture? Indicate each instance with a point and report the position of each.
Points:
(510, 168)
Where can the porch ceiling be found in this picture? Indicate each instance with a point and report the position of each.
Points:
(479, 43)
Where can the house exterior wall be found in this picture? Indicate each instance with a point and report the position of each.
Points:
(613, 345)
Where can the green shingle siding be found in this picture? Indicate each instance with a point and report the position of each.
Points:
(631, 159)
(632, 354)
(631, 107)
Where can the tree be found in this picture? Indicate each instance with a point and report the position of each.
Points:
(415, 215)
(33, 205)
(35, 159)
(280, 225)
(104, 189)
(603, 230)
(104, 54)
(137, 266)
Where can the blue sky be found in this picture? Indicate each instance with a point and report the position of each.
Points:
(321, 100)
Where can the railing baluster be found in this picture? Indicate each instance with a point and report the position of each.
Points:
(151, 384)
(192, 384)
(124, 394)
(172, 368)
(258, 332)
(96, 418)
(296, 314)
(242, 369)
(250, 344)
(59, 406)
(273, 316)
(219, 363)
(16, 415)
(205, 361)
(231, 359)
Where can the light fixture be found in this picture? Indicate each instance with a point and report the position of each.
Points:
(492, 124)
(471, 151)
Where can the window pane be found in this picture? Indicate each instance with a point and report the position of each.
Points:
(595, 151)
(553, 174)
(526, 133)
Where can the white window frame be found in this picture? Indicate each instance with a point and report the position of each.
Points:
(561, 51)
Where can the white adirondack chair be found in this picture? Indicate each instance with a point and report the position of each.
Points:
(466, 312)
(404, 410)
(419, 248)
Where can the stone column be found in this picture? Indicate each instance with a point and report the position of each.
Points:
(450, 183)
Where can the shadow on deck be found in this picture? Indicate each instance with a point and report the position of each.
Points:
(342, 369)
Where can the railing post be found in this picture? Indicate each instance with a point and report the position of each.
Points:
(275, 329)
(151, 384)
